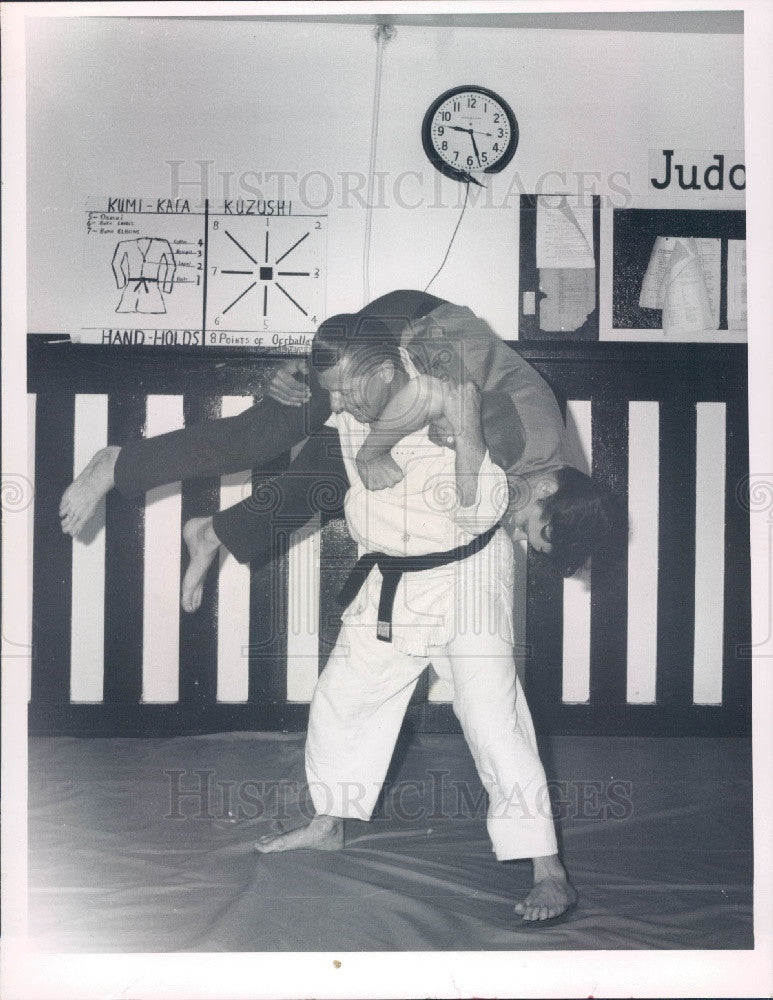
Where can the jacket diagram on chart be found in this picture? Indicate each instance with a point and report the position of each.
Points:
(143, 268)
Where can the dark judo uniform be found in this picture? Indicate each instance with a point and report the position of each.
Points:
(522, 426)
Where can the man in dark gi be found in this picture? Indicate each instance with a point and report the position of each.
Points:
(522, 425)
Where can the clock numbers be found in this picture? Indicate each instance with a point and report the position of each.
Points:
(469, 130)
(470, 133)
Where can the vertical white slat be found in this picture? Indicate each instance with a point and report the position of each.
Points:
(161, 593)
(575, 682)
(233, 588)
(303, 612)
(709, 553)
(32, 401)
(87, 628)
(643, 486)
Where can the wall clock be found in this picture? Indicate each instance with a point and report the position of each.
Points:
(469, 130)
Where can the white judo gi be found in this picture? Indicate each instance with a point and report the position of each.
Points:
(457, 617)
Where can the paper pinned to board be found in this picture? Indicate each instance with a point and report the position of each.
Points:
(683, 279)
(564, 232)
(653, 288)
(736, 285)
(710, 260)
(686, 306)
(569, 298)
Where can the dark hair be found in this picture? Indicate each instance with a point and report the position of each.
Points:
(583, 518)
(363, 339)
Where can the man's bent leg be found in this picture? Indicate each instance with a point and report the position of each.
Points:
(212, 447)
(218, 447)
(315, 480)
(355, 717)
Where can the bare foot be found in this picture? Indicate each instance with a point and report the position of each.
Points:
(81, 497)
(551, 895)
(202, 544)
(324, 833)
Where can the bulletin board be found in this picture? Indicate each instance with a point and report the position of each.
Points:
(559, 267)
(644, 242)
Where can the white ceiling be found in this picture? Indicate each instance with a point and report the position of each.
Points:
(695, 22)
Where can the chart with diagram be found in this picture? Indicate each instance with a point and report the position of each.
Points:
(265, 274)
(242, 273)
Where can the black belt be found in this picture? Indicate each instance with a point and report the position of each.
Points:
(393, 567)
(144, 283)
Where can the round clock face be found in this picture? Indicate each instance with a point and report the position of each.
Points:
(469, 130)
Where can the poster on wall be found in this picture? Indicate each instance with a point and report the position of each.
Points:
(165, 272)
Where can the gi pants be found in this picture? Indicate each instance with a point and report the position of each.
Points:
(358, 707)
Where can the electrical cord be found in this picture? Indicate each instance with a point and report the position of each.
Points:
(453, 237)
(383, 33)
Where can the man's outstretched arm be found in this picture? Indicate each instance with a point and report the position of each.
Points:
(462, 410)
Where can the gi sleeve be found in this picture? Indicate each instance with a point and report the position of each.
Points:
(167, 267)
(121, 264)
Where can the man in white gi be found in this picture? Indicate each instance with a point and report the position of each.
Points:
(433, 584)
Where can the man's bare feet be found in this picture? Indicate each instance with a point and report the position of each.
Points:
(202, 544)
(551, 895)
(81, 497)
(323, 833)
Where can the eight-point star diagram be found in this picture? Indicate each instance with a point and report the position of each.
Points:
(275, 269)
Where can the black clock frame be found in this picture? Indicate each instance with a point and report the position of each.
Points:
(439, 163)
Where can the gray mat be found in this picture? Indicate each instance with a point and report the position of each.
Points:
(656, 834)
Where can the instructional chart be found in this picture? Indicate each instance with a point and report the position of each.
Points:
(245, 272)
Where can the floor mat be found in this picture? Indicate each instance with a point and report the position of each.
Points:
(146, 845)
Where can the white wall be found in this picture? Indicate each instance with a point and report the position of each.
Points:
(111, 101)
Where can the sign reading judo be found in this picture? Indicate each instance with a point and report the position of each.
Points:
(164, 272)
